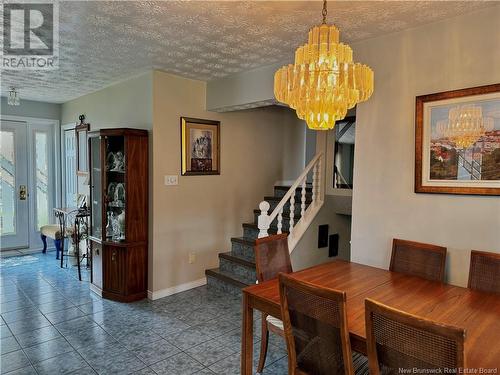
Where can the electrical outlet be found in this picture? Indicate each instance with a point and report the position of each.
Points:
(171, 180)
(192, 258)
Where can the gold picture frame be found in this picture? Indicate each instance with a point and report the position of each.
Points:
(444, 166)
(200, 147)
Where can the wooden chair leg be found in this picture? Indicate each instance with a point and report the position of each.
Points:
(263, 344)
(44, 240)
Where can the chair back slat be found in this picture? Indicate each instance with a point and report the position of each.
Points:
(484, 271)
(315, 324)
(418, 259)
(272, 257)
(398, 340)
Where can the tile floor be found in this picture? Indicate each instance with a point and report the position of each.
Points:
(51, 323)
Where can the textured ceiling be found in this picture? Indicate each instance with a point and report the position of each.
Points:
(103, 42)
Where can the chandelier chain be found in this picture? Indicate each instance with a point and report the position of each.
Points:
(324, 12)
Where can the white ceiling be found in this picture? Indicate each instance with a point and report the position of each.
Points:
(102, 42)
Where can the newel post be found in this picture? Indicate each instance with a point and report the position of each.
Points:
(263, 219)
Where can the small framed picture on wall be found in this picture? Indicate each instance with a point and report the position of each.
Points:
(200, 147)
(81, 131)
(457, 141)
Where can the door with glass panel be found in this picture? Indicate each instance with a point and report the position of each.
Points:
(41, 183)
(14, 203)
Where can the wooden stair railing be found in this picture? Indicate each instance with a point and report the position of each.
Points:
(297, 227)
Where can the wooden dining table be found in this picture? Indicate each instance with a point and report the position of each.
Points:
(477, 312)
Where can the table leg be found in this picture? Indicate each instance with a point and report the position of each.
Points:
(77, 245)
(247, 338)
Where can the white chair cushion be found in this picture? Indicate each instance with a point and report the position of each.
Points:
(53, 231)
(275, 322)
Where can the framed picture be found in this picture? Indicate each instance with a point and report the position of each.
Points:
(457, 142)
(81, 131)
(200, 146)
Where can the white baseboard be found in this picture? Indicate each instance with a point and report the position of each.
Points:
(176, 289)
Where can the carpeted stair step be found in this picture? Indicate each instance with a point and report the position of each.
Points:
(274, 201)
(224, 282)
(243, 269)
(251, 230)
(285, 222)
(242, 247)
(280, 191)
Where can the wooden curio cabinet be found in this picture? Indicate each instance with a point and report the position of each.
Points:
(119, 213)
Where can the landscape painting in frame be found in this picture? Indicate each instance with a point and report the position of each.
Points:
(200, 146)
(457, 142)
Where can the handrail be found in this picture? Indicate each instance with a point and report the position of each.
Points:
(265, 220)
(294, 187)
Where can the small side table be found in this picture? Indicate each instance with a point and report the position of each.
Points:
(80, 216)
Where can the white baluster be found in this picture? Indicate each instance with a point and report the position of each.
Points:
(319, 179)
(292, 211)
(263, 219)
(303, 198)
(280, 221)
(315, 182)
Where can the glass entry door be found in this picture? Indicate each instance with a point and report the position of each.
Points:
(14, 204)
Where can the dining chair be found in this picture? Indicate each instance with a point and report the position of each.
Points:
(484, 271)
(397, 340)
(316, 331)
(271, 257)
(418, 259)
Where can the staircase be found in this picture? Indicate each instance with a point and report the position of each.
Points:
(237, 267)
(292, 210)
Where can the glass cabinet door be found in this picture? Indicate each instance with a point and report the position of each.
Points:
(96, 187)
(115, 189)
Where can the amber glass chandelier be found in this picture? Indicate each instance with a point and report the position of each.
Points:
(324, 82)
(465, 125)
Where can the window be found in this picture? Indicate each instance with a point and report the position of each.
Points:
(41, 179)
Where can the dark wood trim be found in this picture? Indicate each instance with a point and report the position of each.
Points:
(419, 130)
(183, 121)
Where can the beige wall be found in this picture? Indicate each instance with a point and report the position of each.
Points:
(125, 104)
(306, 253)
(453, 54)
(202, 213)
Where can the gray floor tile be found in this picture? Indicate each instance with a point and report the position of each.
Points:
(9, 344)
(155, 351)
(50, 307)
(29, 324)
(61, 364)
(13, 361)
(48, 349)
(5, 331)
(64, 315)
(209, 352)
(107, 347)
(145, 371)
(29, 370)
(136, 338)
(37, 336)
(227, 366)
(121, 363)
(187, 338)
(15, 305)
(87, 337)
(13, 316)
(179, 364)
